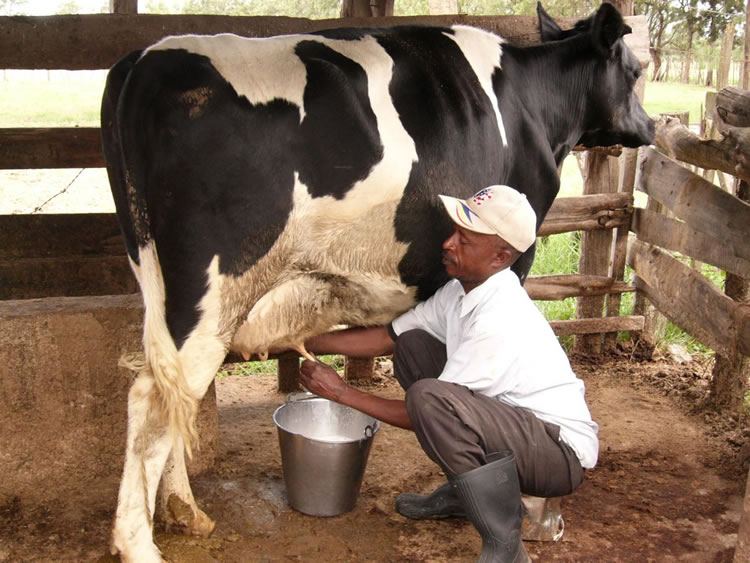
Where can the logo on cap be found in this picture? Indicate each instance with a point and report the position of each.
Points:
(482, 195)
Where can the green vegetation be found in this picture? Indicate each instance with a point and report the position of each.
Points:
(66, 100)
(269, 367)
(667, 97)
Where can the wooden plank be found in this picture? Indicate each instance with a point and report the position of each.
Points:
(557, 287)
(60, 147)
(587, 213)
(597, 326)
(725, 154)
(97, 41)
(66, 276)
(53, 235)
(697, 202)
(689, 300)
(680, 237)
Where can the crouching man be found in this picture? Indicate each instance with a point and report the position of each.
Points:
(490, 393)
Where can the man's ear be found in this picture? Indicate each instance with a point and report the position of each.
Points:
(503, 258)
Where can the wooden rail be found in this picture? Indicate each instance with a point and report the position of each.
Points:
(97, 41)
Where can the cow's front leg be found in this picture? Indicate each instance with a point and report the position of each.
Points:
(148, 445)
(177, 507)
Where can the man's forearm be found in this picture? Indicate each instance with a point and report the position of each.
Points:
(355, 342)
(390, 411)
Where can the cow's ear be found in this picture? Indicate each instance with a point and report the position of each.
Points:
(607, 29)
(548, 29)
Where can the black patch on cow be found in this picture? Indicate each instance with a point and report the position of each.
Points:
(338, 143)
(213, 168)
(134, 234)
(444, 109)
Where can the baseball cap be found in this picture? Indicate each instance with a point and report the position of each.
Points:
(496, 210)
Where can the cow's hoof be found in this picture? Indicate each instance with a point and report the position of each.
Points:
(185, 519)
(202, 525)
(135, 552)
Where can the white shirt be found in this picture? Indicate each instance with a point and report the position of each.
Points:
(500, 345)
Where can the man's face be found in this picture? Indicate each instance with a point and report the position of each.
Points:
(470, 257)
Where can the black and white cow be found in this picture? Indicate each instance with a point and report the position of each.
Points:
(270, 189)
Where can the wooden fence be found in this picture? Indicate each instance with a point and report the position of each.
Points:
(50, 255)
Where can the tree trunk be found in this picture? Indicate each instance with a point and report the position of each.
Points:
(685, 79)
(656, 56)
(709, 77)
(725, 60)
(366, 8)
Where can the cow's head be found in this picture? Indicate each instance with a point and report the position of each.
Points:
(614, 113)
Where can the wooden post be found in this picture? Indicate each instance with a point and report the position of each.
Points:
(123, 6)
(600, 176)
(742, 551)
(358, 369)
(628, 164)
(288, 373)
(731, 372)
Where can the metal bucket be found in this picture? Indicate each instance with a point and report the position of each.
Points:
(324, 450)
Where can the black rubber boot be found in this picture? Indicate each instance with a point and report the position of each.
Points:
(491, 497)
(441, 503)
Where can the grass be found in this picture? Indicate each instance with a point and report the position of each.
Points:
(667, 97)
(73, 100)
(269, 367)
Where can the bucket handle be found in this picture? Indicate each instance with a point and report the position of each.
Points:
(297, 396)
(369, 431)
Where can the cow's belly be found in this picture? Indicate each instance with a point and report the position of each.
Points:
(335, 263)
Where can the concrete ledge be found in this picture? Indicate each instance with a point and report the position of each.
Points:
(63, 400)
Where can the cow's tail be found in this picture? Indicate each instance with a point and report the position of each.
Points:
(177, 406)
(176, 403)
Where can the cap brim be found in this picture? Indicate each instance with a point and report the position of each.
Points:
(464, 217)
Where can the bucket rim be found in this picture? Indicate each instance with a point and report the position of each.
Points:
(375, 425)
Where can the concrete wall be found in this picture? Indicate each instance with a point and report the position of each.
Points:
(63, 401)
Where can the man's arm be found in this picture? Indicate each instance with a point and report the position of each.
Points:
(354, 342)
(323, 380)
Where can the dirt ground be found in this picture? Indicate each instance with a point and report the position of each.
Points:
(668, 486)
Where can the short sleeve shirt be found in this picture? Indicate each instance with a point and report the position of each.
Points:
(500, 345)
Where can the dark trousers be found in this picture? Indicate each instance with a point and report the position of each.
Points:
(458, 428)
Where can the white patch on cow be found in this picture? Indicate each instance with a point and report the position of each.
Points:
(483, 50)
(335, 263)
(258, 68)
(205, 347)
(387, 179)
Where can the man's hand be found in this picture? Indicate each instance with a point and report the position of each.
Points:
(322, 380)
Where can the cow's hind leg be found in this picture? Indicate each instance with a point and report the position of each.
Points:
(149, 444)
(177, 507)
(202, 355)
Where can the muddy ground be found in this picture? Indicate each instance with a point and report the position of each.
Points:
(668, 486)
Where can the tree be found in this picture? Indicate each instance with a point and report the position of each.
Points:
(11, 7)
